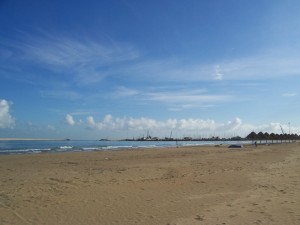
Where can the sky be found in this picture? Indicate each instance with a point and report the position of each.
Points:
(123, 68)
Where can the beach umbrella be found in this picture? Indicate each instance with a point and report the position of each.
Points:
(277, 137)
(267, 136)
(281, 137)
(272, 137)
(295, 136)
(261, 136)
(252, 136)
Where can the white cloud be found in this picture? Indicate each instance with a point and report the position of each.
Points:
(275, 127)
(181, 125)
(6, 120)
(107, 123)
(235, 124)
(69, 120)
(142, 123)
(197, 124)
(92, 124)
(108, 119)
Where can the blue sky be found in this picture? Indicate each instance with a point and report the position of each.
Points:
(116, 69)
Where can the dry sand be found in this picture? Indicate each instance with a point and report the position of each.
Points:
(182, 186)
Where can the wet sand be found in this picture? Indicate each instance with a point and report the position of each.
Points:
(182, 186)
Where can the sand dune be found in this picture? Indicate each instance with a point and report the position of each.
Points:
(182, 186)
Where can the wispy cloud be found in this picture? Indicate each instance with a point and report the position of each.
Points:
(51, 128)
(72, 52)
(122, 91)
(174, 98)
(88, 61)
(61, 94)
(178, 97)
(217, 75)
(82, 59)
(289, 94)
(168, 70)
(78, 62)
(262, 66)
(278, 63)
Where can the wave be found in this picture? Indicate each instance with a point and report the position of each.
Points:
(23, 151)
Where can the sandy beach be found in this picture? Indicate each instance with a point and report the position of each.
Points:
(171, 186)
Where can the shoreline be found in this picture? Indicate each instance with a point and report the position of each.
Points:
(40, 146)
(187, 185)
(37, 146)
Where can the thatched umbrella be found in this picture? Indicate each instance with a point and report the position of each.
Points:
(252, 136)
(261, 136)
(294, 137)
(267, 136)
(273, 137)
(277, 137)
(281, 137)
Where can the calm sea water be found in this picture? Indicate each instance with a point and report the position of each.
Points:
(37, 146)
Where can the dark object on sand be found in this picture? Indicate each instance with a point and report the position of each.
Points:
(235, 146)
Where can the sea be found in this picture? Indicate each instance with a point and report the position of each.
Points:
(64, 146)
